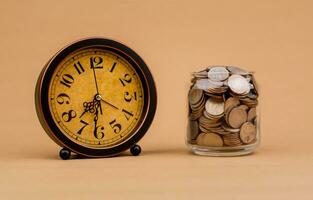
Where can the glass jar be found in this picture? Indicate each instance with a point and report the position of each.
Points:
(223, 116)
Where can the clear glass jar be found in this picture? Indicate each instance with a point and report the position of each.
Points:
(223, 115)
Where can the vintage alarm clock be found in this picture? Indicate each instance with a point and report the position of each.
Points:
(96, 97)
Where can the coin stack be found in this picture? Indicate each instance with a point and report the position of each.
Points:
(222, 107)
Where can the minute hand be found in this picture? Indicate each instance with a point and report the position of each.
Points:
(104, 101)
(95, 78)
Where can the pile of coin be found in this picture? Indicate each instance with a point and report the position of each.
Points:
(222, 107)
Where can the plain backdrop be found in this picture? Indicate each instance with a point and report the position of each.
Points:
(175, 37)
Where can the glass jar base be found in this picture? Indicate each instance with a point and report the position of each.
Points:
(223, 151)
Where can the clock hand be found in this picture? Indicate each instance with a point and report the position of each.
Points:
(95, 122)
(109, 104)
(98, 99)
(97, 89)
(90, 106)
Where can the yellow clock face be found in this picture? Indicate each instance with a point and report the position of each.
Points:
(96, 98)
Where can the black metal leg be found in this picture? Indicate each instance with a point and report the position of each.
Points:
(135, 150)
(65, 153)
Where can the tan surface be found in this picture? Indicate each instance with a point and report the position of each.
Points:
(174, 38)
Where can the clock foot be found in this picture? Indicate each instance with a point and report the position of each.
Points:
(64, 154)
(135, 150)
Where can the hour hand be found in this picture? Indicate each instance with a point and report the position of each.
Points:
(88, 107)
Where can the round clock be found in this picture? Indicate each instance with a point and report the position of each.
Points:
(96, 97)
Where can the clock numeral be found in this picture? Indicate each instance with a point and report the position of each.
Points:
(128, 97)
(127, 79)
(79, 68)
(68, 116)
(95, 62)
(99, 134)
(84, 126)
(63, 98)
(67, 80)
(113, 66)
(127, 114)
(115, 126)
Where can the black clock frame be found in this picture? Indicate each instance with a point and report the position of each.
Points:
(150, 100)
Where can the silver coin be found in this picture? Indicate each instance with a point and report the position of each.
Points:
(238, 84)
(216, 83)
(204, 84)
(218, 73)
(237, 70)
(214, 107)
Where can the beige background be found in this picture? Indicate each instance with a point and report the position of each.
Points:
(272, 38)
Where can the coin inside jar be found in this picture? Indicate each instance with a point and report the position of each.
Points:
(214, 107)
(193, 129)
(237, 70)
(251, 114)
(238, 84)
(195, 96)
(218, 73)
(247, 132)
(210, 139)
(237, 117)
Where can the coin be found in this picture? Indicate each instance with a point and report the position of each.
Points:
(237, 70)
(238, 84)
(193, 130)
(216, 84)
(255, 86)
(249, 102)
(251, 114)
(218, 73)
(214, 107)
(232, 139)
(199, 139)
(244, 107)
(210, 139)
(237, 117)
(230, 103)
(195, 95)
(201, 74)
(247, 132)
(229, 129)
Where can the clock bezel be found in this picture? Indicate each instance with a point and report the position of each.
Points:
(145, 76)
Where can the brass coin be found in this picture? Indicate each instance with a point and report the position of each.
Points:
(195, 95)
(244, 107)
(231, 103)
(247, 133)
(229, 129)
(193, 130)
(210, 140)
(199, 138)
(237, 117)
(251, 114)
(232, 139)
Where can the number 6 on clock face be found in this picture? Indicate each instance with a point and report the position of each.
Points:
(96, 97)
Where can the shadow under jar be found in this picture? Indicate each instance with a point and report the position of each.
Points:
(223, 117)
